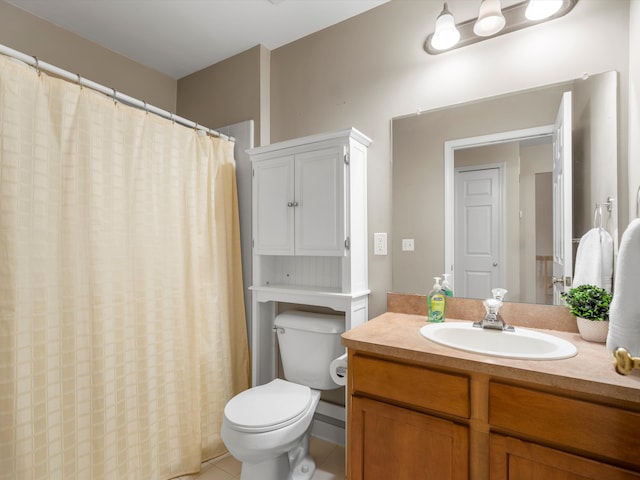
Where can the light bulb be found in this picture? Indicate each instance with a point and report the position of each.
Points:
(445, 35)
(541, 9)
(490, 19)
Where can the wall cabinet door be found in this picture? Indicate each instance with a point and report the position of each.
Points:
(390, 442)
(513, 459)
(299, 204)
(319, 214)
(273, 197)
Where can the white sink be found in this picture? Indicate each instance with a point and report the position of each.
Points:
(522, 343)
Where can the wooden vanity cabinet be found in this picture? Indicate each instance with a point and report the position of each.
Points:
(411, 421)
(393, 433)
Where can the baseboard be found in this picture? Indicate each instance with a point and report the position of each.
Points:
(324, 429)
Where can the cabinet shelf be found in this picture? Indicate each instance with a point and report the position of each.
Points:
(294, 293)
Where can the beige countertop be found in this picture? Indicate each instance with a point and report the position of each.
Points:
(590, 372)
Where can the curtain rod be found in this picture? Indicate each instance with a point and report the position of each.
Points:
(110, 92)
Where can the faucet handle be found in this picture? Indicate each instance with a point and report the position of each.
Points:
(499, 293)
(492, 305)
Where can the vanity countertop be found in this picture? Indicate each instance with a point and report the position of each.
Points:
(591, 371)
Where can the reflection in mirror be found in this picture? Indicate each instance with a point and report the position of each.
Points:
(503, 219)
(419, 178)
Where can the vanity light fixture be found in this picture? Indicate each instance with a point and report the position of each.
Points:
(541, 9)
(492, 21)
(445, 35)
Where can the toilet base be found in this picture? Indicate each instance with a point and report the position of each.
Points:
(296, 464)
(304, 470)
(279, 468)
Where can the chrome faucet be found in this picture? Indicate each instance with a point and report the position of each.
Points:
(492, 319)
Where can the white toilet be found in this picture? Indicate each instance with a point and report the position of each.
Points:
(268, 427)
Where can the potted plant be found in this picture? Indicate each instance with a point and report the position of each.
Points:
(590, 304)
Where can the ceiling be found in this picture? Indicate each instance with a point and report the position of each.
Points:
(179, 37)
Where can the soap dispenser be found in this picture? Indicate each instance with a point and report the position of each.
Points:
(436, 301)
(446, 286)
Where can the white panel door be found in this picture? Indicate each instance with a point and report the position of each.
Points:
(562, 201)
(319, 215)
(478, 225)
(273, 203)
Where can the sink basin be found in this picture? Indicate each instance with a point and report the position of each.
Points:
(522, 344)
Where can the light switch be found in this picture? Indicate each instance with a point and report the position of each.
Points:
(379, 243)
(407, 245)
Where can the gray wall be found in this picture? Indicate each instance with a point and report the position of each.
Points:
(365, 71)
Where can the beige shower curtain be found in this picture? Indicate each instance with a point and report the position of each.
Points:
(122, 331)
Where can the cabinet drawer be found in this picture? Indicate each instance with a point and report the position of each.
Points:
(410, 384)
(589, 427)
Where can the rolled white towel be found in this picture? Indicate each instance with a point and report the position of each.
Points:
(624, 313)
(594, 260)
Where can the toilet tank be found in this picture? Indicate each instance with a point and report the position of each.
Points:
(308, 343)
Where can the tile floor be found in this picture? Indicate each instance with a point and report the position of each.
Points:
(330, 464)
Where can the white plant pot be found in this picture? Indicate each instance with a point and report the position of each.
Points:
(593, 331)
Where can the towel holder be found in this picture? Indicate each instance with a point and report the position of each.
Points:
(625, 363)
(597, 216)
(597, 212)
(609, 204)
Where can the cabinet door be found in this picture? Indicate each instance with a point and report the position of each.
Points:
(388, 442)
(273, 197)
(320, 191)
(513, 459)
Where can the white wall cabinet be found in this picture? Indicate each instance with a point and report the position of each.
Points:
(309, 234)
(299, 204)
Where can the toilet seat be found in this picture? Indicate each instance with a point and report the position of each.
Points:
(268, 407)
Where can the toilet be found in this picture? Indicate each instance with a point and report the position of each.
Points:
(268, 427)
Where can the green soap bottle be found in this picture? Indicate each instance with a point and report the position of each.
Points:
(436, 301)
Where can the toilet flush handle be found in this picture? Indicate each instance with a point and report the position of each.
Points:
(278, 330)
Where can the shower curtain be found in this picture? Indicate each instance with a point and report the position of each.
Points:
(122, 330)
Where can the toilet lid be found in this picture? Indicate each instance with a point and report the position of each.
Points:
(268, 407)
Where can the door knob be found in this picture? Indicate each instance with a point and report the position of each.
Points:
(557, 280)
(495, 264)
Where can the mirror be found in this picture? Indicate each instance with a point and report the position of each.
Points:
(419, 178)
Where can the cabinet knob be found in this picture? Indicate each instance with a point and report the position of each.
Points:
(292, 204)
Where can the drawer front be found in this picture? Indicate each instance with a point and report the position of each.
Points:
(411, 385)
(580, 425)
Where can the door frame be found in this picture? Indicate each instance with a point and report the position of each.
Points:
(450, 147)
(502, 179)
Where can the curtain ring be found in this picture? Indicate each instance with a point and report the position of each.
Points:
(115, 100)
(171, 118)
(146, 110)
(79, 81)
(37, 64)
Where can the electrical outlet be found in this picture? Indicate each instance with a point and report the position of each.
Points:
(407, 245)
(379, 243)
